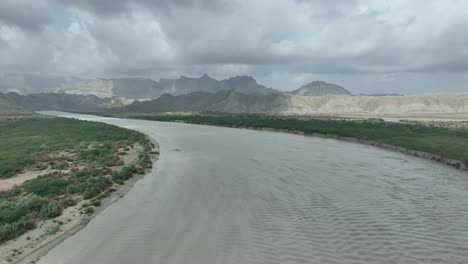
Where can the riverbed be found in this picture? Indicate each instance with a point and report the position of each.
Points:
(223, 195)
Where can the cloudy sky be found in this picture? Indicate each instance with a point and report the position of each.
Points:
(368, 46)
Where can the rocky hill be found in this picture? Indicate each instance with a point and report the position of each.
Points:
(319, 88)
(228, 101)
(379, 105)
(11, 103)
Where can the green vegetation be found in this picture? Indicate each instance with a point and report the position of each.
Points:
(80, 158)
(124, 174)
(446, 142)
(99, 154)
(88, 210)
(28, 140)
(45, 186)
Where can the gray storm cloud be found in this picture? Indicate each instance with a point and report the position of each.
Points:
(24, 14)
(369, 46)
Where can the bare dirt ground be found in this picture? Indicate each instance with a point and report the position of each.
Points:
(9, 183)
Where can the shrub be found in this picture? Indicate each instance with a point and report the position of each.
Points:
(45, 187)
(144, 160)
(86, 173)
(96, 202)
(12, 230)
(61, 166)
(124, 174)
(75, 188)
(89, 210)
(67, 201)
(16, 209)
(94, 186)
(10, 215)
(98, 154)
(52, 209)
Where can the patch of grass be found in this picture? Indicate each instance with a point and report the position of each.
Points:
(24, 141)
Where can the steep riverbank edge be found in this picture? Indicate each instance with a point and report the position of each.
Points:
(34, 254)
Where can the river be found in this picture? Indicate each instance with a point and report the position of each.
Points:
(223, 195)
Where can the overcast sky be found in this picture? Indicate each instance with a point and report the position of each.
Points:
(380, 46)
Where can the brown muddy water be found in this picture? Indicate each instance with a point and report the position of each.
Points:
(223, 195)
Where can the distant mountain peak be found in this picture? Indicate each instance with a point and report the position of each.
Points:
(315, 83)
(243, 77)
(320, 88)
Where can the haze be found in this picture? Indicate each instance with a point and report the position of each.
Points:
(407, 47)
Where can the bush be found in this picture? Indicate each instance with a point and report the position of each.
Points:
(52, 209)
(86, 173)
(12, 230)
(16, 209)
(45, 187)
(96, 202)
(98, 154)
(145, 160)
(61, 166)
(94, 186)
(124, 174)
(10, 215)
(88, 210)
(67, 201)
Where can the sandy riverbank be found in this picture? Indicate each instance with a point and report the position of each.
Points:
(31, 246)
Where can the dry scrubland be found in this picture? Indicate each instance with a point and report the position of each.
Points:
(55, 171)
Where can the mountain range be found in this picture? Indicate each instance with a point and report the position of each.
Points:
(234, 95)
(143, 88)
(230, 101)
(133, 88)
